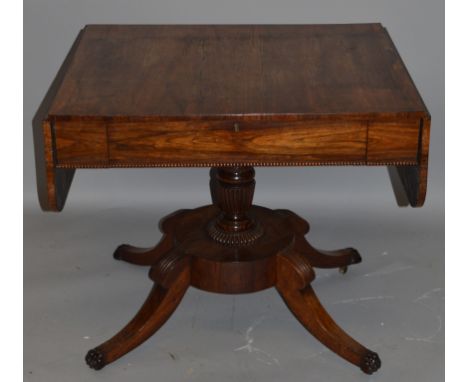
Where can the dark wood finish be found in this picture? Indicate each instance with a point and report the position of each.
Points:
(53, 183)
(398, 187)
(227, 268)
(393, 141)
(233, 189)
(158, 307)
(280, 257)
(236, 142)
(238, 95)
(148, 256)
(414, 178)
(80, 142)
(173, 72)
(230, 98)
(309, 311)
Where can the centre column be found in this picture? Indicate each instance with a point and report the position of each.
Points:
(232, 190)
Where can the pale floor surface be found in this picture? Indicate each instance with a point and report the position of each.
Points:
(76, 296)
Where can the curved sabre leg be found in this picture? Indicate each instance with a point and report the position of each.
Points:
(312, 315)
(148, 256)
(294, 274)
(158, 307)
(321, 259)
(144, 256)
(340, 258)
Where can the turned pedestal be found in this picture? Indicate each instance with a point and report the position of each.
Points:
(233, 246)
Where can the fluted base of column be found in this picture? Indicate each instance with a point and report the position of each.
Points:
(239, 238)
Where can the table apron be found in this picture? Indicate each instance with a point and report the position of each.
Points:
(222, 143)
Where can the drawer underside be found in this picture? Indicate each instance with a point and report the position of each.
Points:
(212, 143)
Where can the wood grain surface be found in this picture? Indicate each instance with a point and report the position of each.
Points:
(246, 71)
(213, 142)
(389, 141)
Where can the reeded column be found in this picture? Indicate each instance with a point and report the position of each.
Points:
(232, 190)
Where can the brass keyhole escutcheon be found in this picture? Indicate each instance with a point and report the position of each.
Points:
(236, 127)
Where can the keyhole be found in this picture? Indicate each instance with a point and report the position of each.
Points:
(236, 127)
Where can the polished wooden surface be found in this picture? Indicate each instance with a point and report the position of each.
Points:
(242, 71)
(217, 96)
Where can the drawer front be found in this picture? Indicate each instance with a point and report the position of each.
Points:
(225, 142)
(219, 142)
(80, 142)
(393, 141)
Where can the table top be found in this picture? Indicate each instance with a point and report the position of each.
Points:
(247, 71)
(231, 95)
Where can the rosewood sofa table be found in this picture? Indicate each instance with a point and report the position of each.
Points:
(231, 98)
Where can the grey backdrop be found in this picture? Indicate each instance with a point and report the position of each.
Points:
(71, 304)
